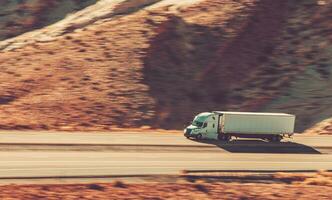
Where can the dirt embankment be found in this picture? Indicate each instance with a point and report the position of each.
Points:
(321, 128)
(158, 63)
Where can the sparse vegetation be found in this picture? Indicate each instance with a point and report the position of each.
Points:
(96, 187)
(201, 187)
(289, 186)
(119, 184)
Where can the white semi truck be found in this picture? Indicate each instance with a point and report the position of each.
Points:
(224, 125)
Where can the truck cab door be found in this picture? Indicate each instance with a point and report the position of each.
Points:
(212, 127)
(220, 124)
(205, 126)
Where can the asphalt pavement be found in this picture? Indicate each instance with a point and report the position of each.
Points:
(25, 155)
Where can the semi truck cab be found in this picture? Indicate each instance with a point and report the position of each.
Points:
(204, 125)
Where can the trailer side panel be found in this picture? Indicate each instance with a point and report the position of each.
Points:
(258, 124)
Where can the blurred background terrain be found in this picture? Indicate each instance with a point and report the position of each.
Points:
(98, 65)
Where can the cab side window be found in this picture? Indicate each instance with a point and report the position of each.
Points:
(205, 124)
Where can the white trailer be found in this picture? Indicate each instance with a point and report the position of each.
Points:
(224, 125)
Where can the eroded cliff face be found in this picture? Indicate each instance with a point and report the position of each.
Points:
(158, 63)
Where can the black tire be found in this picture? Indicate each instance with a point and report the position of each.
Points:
(228, 138)
(275, 138)
(199, 137)
(224, 137)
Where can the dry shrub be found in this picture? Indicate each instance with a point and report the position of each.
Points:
(319, 181)
(324, 173)
(119, 184)
(291, 177)
(201, 187)
(68, 37)
(96, 187)
(321, 178)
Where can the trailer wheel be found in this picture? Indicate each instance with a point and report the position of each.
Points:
(199, 136)
(275, 138)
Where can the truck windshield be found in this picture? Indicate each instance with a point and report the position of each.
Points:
(197, 123)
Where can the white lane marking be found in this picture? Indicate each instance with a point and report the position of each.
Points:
(210, 164)
(158, 161)
(152, 167)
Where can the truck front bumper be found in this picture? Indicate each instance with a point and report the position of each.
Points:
(187, 133)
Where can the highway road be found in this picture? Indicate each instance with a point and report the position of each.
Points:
(58, 154)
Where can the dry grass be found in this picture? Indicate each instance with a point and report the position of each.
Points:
(322, 178)
(308, 189)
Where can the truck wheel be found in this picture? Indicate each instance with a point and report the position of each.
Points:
(275, 138)
(228, 138)
(224, 137)
(199, 136)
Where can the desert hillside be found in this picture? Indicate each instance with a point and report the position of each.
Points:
(20, 16)
(131, 63)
